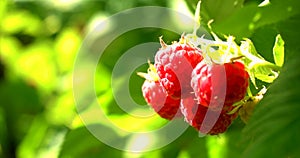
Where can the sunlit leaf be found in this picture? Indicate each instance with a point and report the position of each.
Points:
(66, 46)
(102, 79)
(104, 100)
(61, 111)
(9, 50)
(151, 154)
(21, 21)
(278, 51)
(36, 65)
(265, 74)
(140, 124)
(217, 146)
(3, 8)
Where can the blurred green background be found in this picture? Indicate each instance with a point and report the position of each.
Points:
(38, 45)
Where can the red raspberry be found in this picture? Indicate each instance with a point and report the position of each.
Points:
(158, 99)
(204, 119)
(228, 82)
(174, 64)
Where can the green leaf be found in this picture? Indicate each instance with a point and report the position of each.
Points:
(71, 38)
(264, 38)
(245, 20)
(4, 144)
(41, 140)
(233, 137)
(81, 143)
(217, 146)
(273, 130)
(278, 51)
(35, 64)
(276, 120)
(219, 9)
(192, 144)
(21, 20)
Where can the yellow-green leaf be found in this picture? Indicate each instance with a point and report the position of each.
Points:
(278, 51)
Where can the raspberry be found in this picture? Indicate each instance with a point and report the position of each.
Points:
(228, 82)
(158, 99)
(204, 119)
(174, 64)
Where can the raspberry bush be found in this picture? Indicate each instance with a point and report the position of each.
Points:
(209, 80)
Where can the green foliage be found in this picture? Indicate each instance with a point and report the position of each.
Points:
(80, 143)
(276, 121)
(39, 41)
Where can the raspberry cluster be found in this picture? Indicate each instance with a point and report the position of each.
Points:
(182, 83)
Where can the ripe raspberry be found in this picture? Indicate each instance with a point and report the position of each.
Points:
(228, 83)
(174, 64)
(158, 99)
(203, 119)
